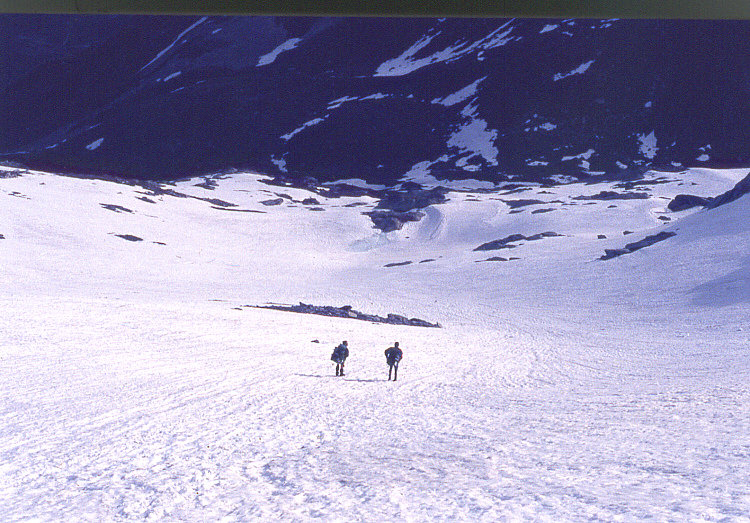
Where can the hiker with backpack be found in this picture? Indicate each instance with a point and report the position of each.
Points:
(339, 356)
(392, 356)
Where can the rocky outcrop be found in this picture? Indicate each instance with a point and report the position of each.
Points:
(348, 312)
(509, 241)
(682, 202)
(612, 195)
(739, 190)
(632, 247)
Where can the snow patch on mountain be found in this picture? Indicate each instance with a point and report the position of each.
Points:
(460, 95)
(175, 42)
(271, 57)
(648, 146)
(549, 27)
(405, 63)
(578, 70)
(302, 127)
(95, 144)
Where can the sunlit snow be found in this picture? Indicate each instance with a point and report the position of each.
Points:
(271, 57)
(138, 385)
(95, 144)
(578, 70)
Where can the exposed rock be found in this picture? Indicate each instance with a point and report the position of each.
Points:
(413, 198)
(310, 201)
(632, 247)
(397, 264)
(275, 201)
(507, 242)
(682, 202)
(115, 208)
(601, 237)
(348, 312)
(611, 195)
(388, 221)
(739, 190)
(514, 204)
(129, 237)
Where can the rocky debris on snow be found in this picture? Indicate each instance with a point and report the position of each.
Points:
(217, 202)
(310, 201)
(514, 204)
(145, 199)
(509, 241)
(398, 264)
(498, 259)
(10, 174)
(625, 233)
(236, 210)
(2, 236)
(388, 221)
(739, 190)
(632, 247)
(665, 218)
(129, 237)
(411, 196)
(601, 237)
(274, 201)
(315, 209)
(540, 211)
(347, 312)
(428, 260)
(115, 208)
(612, 195)
(682, 202)
(208, 183)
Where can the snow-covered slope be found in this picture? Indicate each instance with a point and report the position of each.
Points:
(136, 385)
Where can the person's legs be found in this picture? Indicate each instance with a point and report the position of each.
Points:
(337, 368)
(341, 373)
(390, 369)
(395, 371)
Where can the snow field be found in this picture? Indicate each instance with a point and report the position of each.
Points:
(135, 386)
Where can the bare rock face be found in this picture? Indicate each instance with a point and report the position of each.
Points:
(632, 247)
(682, 202)
(739, 190)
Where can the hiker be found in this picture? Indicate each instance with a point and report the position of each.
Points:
(339, 355)
(392, 356)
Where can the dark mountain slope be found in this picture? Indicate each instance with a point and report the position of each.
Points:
(380, 99)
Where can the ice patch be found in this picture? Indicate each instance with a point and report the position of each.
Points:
(578, 70)
(647, 104)
(161, 53)
(582, 156)
(312, 122)
(549, 27)
(703, 158)
(173, 75)
(536, 163)
(270, 57)
(95, 144)
(648, 145)
(460, 95)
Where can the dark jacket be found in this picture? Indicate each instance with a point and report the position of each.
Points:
(393, 355)
(340, 353)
